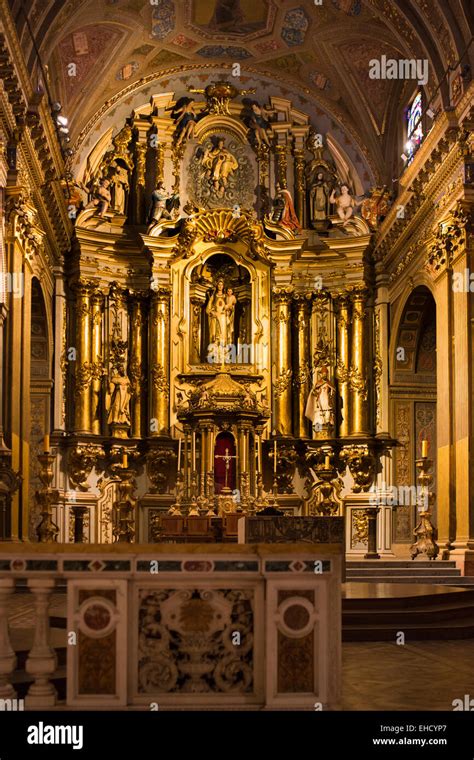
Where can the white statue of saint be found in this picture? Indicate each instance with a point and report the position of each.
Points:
(220, 312)
(321, 404)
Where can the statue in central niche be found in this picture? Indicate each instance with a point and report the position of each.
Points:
(221, 319)
(219, 164)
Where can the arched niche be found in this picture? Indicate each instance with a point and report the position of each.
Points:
(413, 400)
(236, 284)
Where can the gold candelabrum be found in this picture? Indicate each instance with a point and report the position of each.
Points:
(125, 506)
(425, 531)
(47, 531)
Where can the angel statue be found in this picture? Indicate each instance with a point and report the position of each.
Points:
(345, 203)
(257, 119)
(164, 205)
(101, 197)
(184, 117)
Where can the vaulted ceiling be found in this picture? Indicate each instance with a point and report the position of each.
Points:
(320, 50)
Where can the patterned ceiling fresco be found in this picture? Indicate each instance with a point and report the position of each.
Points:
(322, 52)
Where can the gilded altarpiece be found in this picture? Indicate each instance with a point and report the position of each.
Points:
(222, 350)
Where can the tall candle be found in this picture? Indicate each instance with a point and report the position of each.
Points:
(274, 457)
(424, 449)
(194, 451)
(46, 443)
(327, 460)
(179, 454)
(124, 460)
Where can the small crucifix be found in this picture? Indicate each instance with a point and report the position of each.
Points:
(227, 460)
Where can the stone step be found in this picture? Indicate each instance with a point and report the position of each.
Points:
(400, 563)
(401, 572)
(428, 579)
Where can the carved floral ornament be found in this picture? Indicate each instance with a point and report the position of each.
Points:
(82, 458)
(452, 237)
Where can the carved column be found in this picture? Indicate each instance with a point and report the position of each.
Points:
(187, 466)
(359, 360)
(210, 450)
(196, 307)
(82, 413)
(140, 169)
(204, 457)
(60, 352)
(382, 359)
(281, 165)
(7, 655)
(459, 243)
(3, 314)
(136, 365)
(282, 361)
(343, 359)
(159, 362)
(300, 205)
(302, 379)
(97, 365)
(160, 162)
(42, 661)
(263, 175)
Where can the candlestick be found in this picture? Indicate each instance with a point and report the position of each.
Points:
(46, 443)
(124, 460)
(179, 454)
(424, 449)
(274, 457)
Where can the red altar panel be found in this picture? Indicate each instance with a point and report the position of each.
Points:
(224, 441)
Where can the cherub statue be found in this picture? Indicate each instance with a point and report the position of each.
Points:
(101, 197)
(345, 203)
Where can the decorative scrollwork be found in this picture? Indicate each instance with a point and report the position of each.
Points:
(82, 458)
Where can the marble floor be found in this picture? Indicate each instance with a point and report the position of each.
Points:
(423, 675)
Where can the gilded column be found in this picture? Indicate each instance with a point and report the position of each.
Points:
(359, 359)
(136, 365)
(160, 162)
(82, 413)
(281, 165)
(159, 362)
(97, 364)
(302, 380)
(343, 360)
(140, 165)
(300, 205)
(282, 361)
